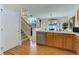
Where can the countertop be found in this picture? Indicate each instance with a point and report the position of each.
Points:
(64, 32)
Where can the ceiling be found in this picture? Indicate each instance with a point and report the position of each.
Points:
(46, 10)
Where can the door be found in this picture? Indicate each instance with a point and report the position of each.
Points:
(13, 33)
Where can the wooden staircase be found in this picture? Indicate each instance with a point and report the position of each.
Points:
(23, 35)
(25, 29)
(25, 26)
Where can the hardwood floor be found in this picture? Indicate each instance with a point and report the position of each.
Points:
(30, 48)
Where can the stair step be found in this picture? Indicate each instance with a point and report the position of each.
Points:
(22, 34)
(22, 31)
(24, 37)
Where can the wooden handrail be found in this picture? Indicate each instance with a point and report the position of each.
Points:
(25, 27)
(25, 21)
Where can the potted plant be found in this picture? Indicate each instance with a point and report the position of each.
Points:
(65, 26)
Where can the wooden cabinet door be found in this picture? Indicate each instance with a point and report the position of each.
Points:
(58, 40)
(49, 39)
(54, 39)
(76, 44)
(68, 41)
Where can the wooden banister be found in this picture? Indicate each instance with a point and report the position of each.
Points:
(25, 21)
(25, 27)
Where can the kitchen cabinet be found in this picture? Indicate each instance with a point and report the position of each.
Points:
(60, 40)
(50, 39)
(76, 44)
(53, 39)
(68, 41)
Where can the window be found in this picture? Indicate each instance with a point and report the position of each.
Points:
(32, 21)
(53, 25)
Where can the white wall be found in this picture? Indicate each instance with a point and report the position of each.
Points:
(10, 26)
(13, 33)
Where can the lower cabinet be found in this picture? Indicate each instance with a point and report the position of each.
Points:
(54, 40)
(60, 40)
(68, 41)
(49, 39)
(76, 44)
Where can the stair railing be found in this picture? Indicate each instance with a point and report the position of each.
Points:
(25, 26)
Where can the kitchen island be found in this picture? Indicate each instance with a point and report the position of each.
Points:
(59, 39)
